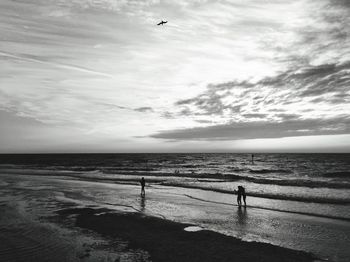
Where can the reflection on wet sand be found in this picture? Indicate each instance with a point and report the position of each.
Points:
(142, 204)
(242, 217)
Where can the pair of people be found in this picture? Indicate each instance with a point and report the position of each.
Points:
(240, 194)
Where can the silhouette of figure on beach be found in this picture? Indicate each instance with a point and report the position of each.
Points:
(240, 194)
(242, 216)
(143, 183)
(142, 204)
(252, 158)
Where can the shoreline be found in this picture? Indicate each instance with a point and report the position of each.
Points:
(134, 180)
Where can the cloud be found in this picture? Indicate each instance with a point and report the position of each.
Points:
(144, 109)
(293, 93)
(256, 115)
(59, 65)
(261, 129)
(312, 100)
(95, 65)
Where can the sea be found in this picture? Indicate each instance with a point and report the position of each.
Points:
(308, 178)
(308, 187)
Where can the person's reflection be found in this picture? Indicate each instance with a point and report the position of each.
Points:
(142, 204)
(242, 216)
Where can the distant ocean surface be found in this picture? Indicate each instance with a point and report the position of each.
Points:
(318, 178)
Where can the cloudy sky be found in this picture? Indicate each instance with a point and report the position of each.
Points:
(220, 76)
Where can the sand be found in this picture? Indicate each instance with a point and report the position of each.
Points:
(165, 240)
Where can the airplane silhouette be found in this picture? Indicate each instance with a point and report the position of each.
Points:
(162, 23)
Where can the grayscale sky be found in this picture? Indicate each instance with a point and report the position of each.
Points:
(220, 76)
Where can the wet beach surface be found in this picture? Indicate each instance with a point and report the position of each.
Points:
(168, 241)
(69, 219)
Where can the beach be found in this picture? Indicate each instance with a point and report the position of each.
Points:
(147, 130)
(71, 219)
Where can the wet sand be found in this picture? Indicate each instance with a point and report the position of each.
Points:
(152, 228)
(165, 240)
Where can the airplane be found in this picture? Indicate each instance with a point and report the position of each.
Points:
(162, 23)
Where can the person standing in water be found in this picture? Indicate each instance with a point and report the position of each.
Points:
(240, 194)
(252, 159)
(143, 184)
(244, 196)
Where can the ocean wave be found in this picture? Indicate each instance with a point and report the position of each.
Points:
(337, 174)
(237, 169)
(266, 171)
(173, 181)
(111, 174)
(275, 209)
(298, 182)
(307, 199)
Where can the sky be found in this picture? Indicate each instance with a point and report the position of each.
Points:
(220, 76)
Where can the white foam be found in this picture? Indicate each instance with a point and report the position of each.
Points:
(193, 228)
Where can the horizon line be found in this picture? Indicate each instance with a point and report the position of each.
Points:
(207, 152)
